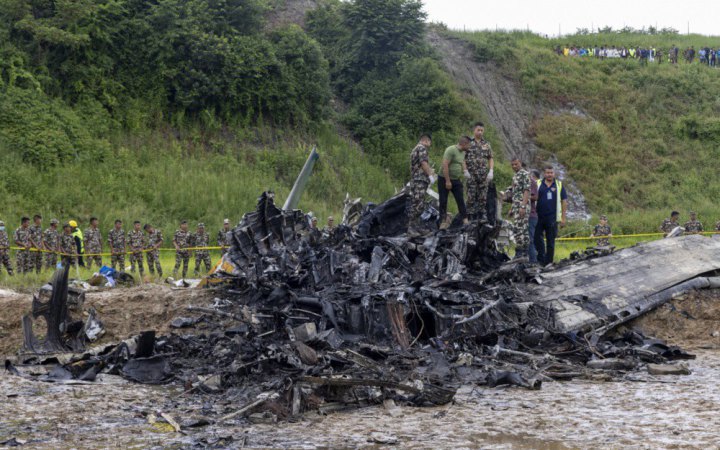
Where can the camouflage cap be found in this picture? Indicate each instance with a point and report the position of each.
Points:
(603, 217)
(226, 221)
(54, 221)
(2, 224)
(201, 225)
(183, 222)
(693, 213)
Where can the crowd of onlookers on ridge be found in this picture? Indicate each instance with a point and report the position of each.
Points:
(705, 55)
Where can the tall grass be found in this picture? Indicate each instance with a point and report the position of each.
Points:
(162, 177)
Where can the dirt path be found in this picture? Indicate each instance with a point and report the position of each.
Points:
(508, 112)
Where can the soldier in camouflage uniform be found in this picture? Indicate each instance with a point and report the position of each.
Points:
(136, 241)
(602, 229)
(201, 239)
(116, 239)
(422, 176)
(181, 241)
(51, 241)
(36, 253)
(93, 243)
(22, 239)
(520, 209)
(224, 237)
(329, 231)
(670, 224)
(314, 236)
(480, 164)
(5, 249)
(154, 242)
(693, 226)
(68, 246)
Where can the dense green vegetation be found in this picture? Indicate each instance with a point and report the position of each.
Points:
(170, 109)
(174, 109)
(639, 140)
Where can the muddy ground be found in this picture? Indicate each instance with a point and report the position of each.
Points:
(640, 412)
(124, 311)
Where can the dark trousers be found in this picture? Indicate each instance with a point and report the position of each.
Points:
(457, 192)
(546, 230)
(532, 251)
(78, 245)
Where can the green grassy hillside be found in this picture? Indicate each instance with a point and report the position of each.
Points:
(639, 140)
(162, 176)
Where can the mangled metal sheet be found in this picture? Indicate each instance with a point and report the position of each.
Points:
(54, 303)
(613, 289)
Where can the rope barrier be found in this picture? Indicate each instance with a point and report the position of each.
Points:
(624, 236)
(130, 252)
(189, 249)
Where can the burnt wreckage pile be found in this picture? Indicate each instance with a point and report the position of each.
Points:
(306, 321)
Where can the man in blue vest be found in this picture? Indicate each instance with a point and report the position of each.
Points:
(551, 209)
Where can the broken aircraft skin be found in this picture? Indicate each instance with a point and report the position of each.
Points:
(365, 314)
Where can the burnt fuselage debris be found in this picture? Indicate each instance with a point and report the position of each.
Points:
(61, 308)
(323, 320)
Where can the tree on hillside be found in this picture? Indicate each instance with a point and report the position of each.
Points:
(382, 32)
(381, 66)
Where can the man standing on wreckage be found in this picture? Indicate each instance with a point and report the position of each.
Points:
(421, 177)
(519, 195)
(480, 164)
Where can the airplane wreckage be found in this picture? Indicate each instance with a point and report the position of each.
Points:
(305, 321)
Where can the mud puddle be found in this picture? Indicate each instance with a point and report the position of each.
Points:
(648, 412)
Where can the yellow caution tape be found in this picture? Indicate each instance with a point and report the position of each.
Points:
(188, 249)
(623, 236)
(619, 236)
(130, 252)
(192, 248)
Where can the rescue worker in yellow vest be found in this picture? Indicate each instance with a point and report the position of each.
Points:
(551, 209)
(77, 235)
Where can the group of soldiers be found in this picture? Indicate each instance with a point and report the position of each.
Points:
(472, 157)
(669, 227)
(538, 201)
(538, 206)
(692, 226)
(38, 248)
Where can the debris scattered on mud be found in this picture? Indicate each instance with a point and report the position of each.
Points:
(320, 321)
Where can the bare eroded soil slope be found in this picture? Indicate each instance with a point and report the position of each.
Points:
(508, 112)
(691, 321)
